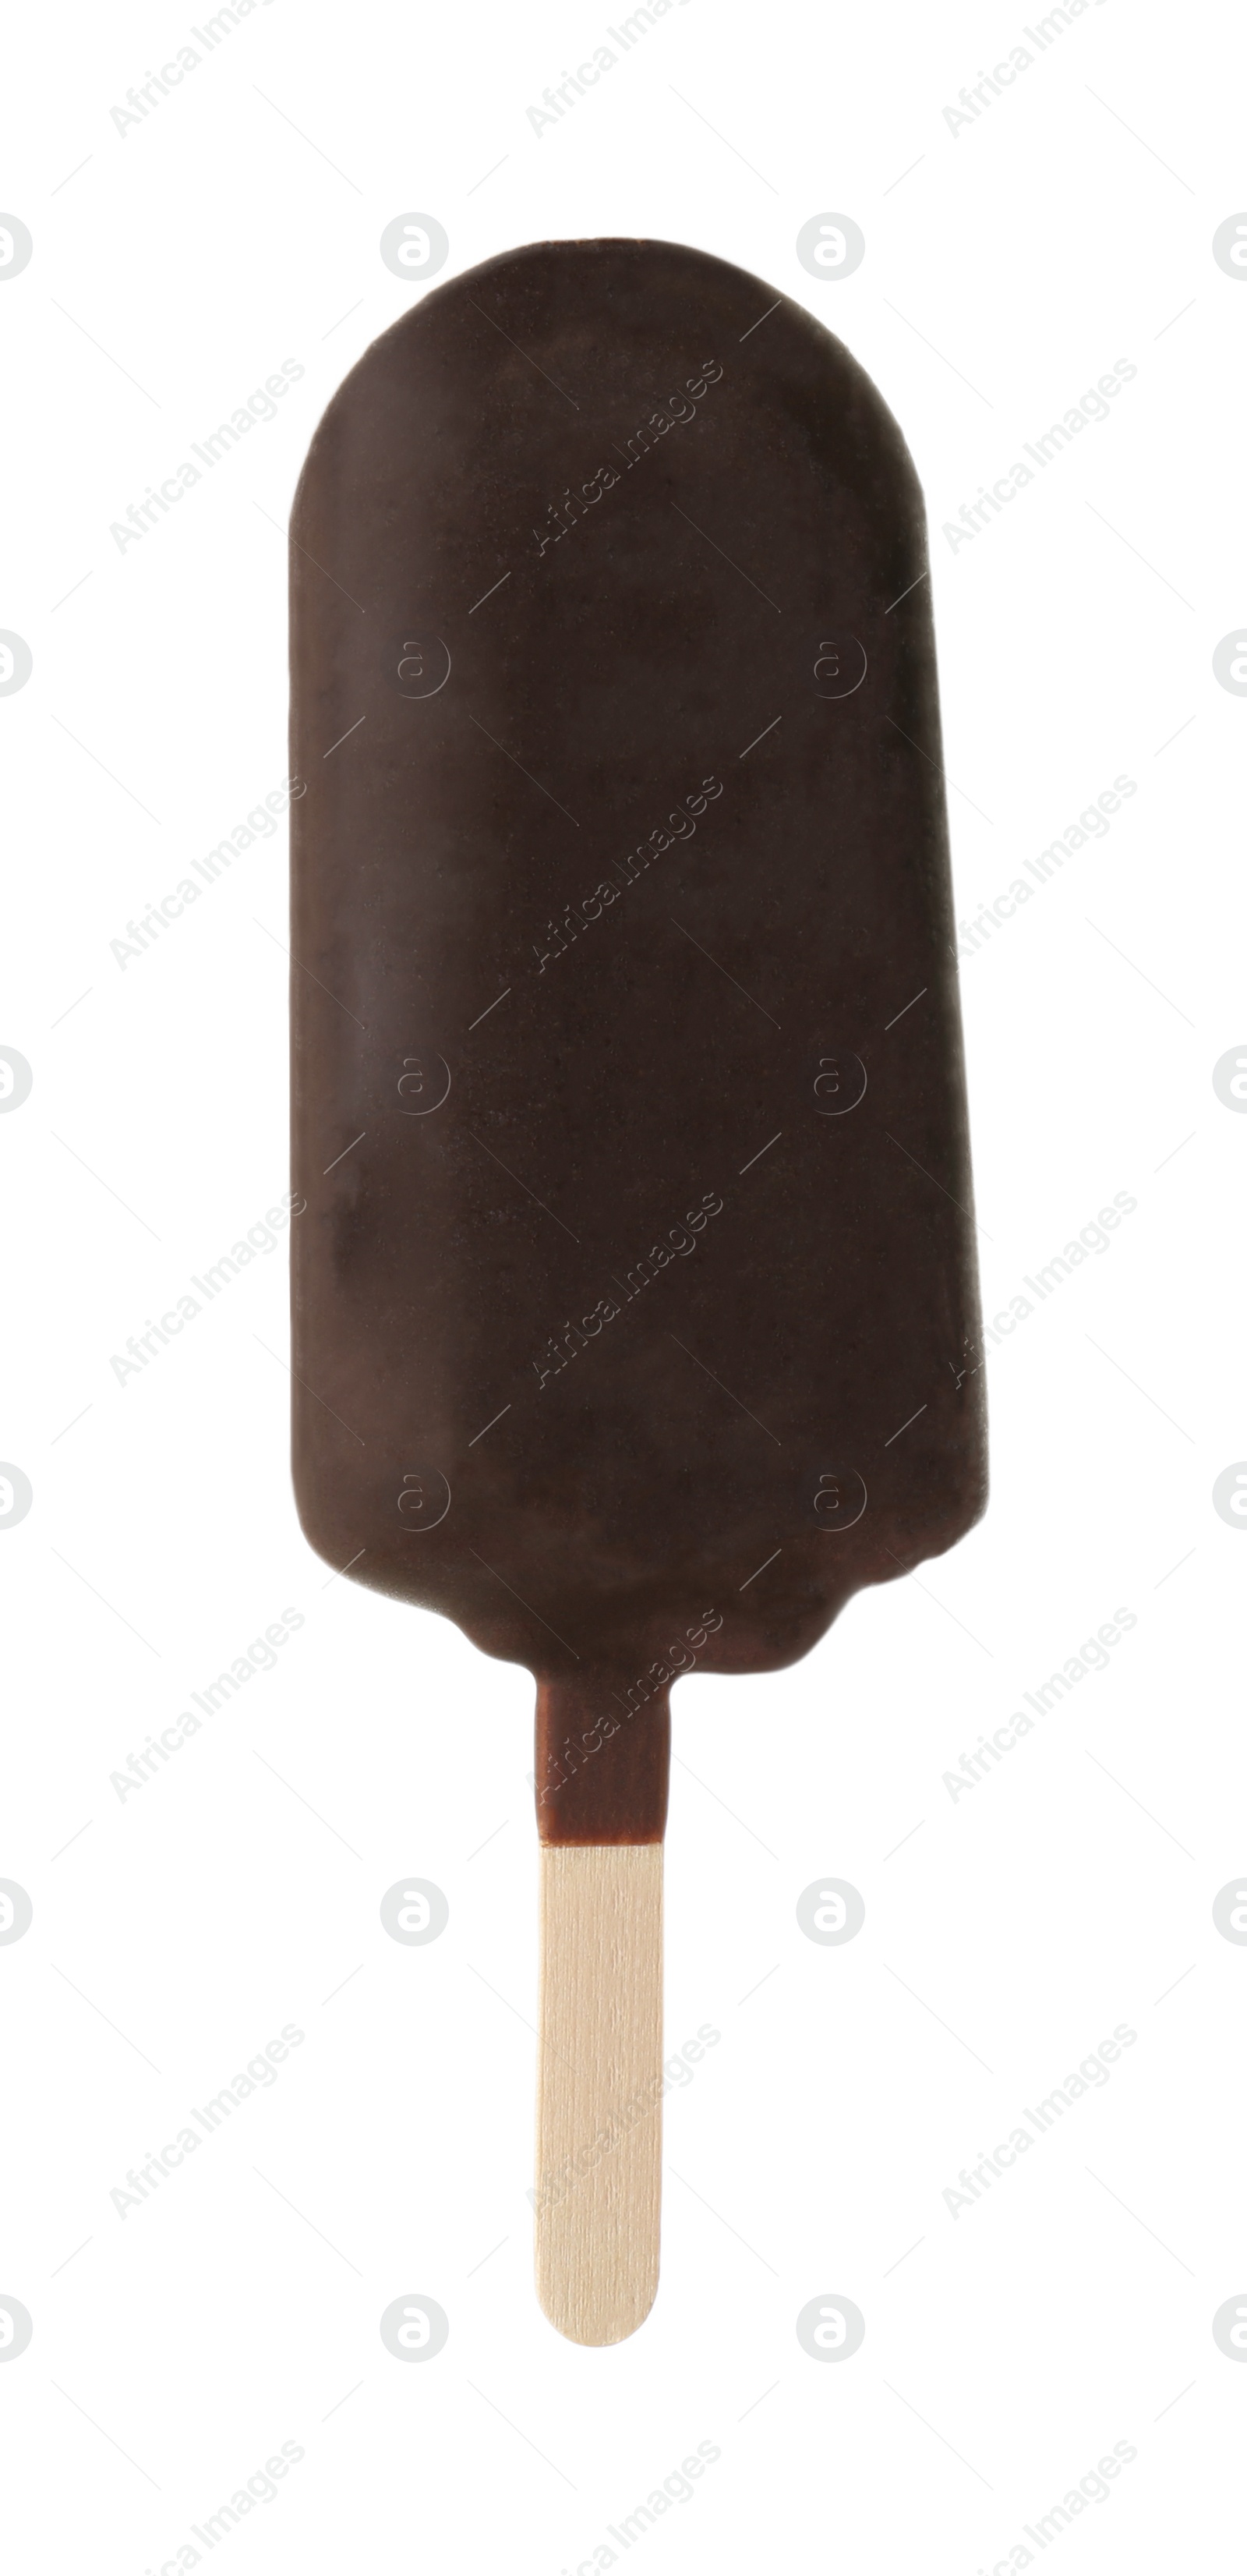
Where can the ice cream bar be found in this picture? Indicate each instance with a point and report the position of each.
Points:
(634, 1301)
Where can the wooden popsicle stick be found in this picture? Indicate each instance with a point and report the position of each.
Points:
(599, 2087)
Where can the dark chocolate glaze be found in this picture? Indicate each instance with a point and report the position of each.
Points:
(635, 1304)
(603, 1759)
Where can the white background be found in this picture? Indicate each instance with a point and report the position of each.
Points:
(1008, 1931)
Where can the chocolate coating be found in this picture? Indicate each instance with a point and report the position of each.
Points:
(603, 1759)
(635, 1299)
